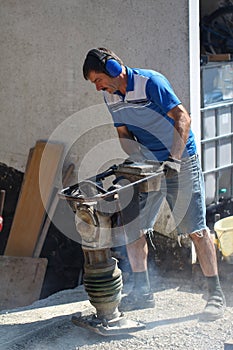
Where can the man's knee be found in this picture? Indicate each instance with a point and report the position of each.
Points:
(200, 235)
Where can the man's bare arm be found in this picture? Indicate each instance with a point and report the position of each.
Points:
(127, 141)
(181, 132)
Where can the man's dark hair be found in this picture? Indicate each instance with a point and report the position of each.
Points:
(93, 63)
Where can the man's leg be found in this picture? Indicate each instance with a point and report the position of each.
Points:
(137, 254)
(206, 254)
(140, 297)
(135, 250)
(186, 196)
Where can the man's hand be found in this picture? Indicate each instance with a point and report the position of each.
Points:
(171, 167)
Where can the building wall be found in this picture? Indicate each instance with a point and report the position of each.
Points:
(43, 94)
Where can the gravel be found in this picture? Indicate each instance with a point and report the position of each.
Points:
(173, 324)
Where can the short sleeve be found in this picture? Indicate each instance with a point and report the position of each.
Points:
(160, 91)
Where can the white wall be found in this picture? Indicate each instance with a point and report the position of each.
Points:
(42, 48)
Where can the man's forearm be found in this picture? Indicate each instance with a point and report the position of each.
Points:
(182, 123)
(127, 140)
(129, 145)
(181, 134)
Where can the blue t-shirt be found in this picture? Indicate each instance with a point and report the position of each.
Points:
(143, 109)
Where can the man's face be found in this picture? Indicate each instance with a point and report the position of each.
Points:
(103, 82)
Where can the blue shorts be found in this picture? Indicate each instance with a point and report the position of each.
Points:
(185, 195)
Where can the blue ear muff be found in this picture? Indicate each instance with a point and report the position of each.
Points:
(113, 68)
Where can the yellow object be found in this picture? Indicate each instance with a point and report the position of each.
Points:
(224, 231)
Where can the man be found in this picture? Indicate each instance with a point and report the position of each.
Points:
(152, 122)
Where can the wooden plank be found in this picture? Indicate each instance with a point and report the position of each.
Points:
(51, 211)
(220, 57)
(30, 210)
(21, 280)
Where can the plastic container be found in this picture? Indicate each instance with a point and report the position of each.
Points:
(224, 231)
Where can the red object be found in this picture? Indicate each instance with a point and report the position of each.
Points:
(1, 223)
(2, 199)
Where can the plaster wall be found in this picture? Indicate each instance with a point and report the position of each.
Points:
(42, 92)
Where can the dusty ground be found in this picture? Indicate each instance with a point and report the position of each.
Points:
(173, 324)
